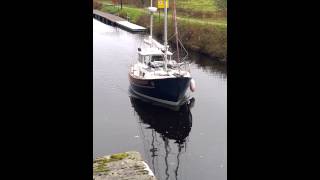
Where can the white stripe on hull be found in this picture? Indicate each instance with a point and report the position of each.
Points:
(157, 99)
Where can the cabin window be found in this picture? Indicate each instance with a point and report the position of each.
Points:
(156, 58)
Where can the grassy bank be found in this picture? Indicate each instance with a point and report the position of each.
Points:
(202, 25)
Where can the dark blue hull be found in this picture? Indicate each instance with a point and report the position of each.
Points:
(167, 90)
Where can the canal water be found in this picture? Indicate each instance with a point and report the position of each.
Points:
(185, 144)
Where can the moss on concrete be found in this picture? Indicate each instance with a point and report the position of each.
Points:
(128, 165)
(119, 156)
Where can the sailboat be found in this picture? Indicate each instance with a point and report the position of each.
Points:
(155, 75)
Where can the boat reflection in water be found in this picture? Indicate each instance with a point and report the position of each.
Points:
(164, 132)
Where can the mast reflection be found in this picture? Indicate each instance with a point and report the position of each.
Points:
(164, 132)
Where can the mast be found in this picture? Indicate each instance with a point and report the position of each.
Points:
(153, 150)
(165, 35)
(151, 21)
(176, 29)
(178, 159)
(151, 10)
(166, 145)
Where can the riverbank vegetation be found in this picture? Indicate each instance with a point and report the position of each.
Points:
(202, 24)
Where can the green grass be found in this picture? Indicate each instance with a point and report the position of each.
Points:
(134, 13)
(219, 22)
(188, 5)
(109, 9)
(197, 5)
(131, 12)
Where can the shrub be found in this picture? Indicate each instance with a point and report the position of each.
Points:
(97, 5)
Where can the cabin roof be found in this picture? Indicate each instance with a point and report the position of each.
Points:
(152, 51)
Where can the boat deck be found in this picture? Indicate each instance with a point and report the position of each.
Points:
(144, 72)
